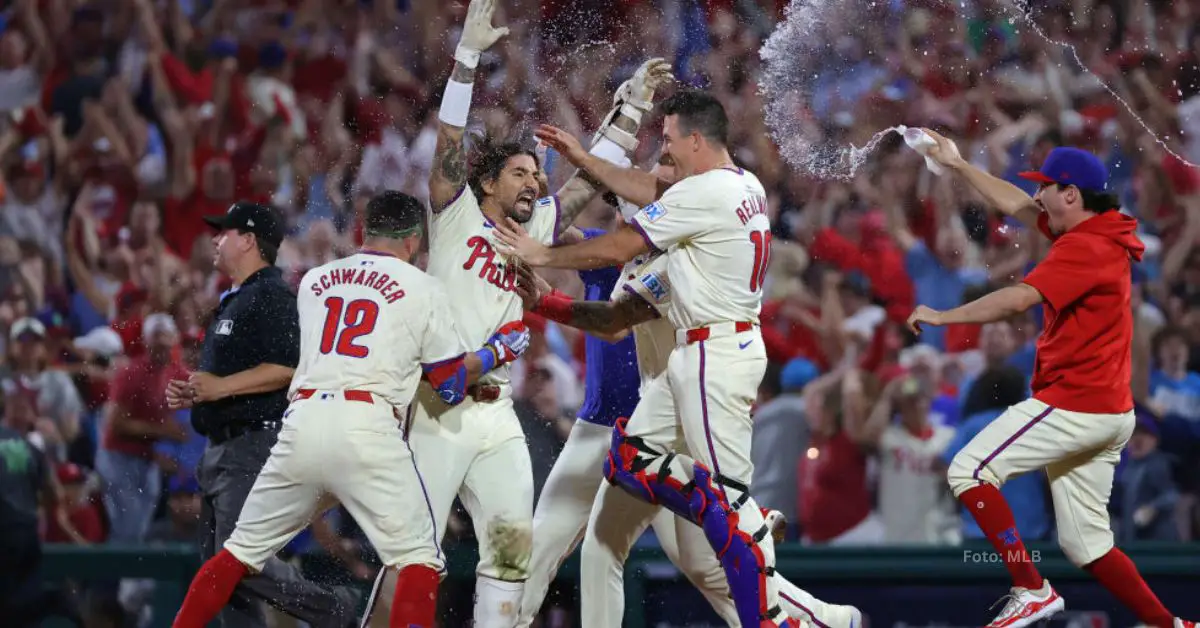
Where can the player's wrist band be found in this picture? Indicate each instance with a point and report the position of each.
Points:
(487, 356)
(456, 103)
(467, 56)
(555, 306)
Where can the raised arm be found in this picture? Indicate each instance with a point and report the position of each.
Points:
(1007, 198)
(449, 173)
(637, 187)
(616, 139)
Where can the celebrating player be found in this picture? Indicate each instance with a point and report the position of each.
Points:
(715, 232)
(640, 298)
(477, 450)
(370, 326)
(1081, 413)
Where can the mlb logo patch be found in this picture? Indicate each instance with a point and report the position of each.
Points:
(655, 287)
(654, 211)
(225, 327)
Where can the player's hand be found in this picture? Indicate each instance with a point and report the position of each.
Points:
(179, 394)
(924, 316)
(530, 287)
(478, 34)
(512, 239)
(639, 90)
(206, 387)
(563, 143)
(509, 342)
(946, 152)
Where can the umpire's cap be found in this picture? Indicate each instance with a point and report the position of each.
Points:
(264, 221)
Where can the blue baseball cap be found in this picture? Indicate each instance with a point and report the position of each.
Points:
(797, 374)
(1072, 166)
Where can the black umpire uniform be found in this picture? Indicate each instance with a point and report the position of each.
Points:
(255, 323)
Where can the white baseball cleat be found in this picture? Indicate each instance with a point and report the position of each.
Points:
(1026, 607)
(1183, 623)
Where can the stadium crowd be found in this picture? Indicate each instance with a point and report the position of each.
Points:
(124, 122)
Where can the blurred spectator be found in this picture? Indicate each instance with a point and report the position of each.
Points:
(137, 418)
(780, 436)
(53, 394)
(81, 505)
(545, 421)
(994, 391)
(915, 504)
(1144, 494)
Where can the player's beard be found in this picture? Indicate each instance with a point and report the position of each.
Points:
(520, 211)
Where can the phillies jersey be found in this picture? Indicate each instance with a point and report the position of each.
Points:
(479, 280)
(646, 278)
(716, 231)
(368, 322)
(914, 501)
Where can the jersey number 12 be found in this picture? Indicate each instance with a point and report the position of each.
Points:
(342, 330)
(762, 257)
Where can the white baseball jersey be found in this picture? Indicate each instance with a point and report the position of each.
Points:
(646, 277)
(914, 502)
(718, 235)
(368, 322)
(479, 280)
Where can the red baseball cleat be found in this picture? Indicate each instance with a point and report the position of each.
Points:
(1026, 607)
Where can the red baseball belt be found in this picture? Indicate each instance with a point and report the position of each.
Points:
(717, 330)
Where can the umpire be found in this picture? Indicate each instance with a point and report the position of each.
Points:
(238, 398)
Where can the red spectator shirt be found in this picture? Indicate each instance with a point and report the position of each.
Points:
(140, 389)
(833, 489)
(1084, 352)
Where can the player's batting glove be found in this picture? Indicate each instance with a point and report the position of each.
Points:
(639, 90)
(509, 342)
(478, 34)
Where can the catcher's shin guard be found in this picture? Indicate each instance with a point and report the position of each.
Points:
(649, 475)
(745, 565)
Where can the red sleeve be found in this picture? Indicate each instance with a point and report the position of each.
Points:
(829, 246)
(123, 385)
(1068, 272)
(195, 88)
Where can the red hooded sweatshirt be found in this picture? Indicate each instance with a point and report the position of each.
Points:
(1084, 352)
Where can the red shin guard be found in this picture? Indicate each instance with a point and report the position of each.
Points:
(415, 602)
(995, 518)
(1118, 574)
(210, 590)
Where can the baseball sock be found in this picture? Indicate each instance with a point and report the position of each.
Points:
(995, 518)
(1118, 574)
(497, 602)
(415, 602)
(210, 590)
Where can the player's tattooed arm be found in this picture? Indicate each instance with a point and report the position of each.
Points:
(449, 173)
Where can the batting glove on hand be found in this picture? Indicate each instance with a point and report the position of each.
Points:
(509, 342)
(478, 33)
(639, 90)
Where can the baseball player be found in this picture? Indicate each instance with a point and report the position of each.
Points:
(639, 304)
(714, 229)
(370, 326)
(477, 450)
(1081, 413)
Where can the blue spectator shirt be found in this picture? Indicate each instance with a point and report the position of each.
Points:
(938, 287)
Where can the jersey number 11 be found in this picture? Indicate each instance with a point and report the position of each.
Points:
(341, 331)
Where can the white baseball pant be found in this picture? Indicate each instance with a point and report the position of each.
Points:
(477, 451)
(355, 452)
(1079, 452)
(575, 484)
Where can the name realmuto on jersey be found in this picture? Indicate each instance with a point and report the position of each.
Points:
(751, 207)
(481, 250)
(381, 282)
